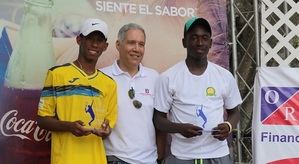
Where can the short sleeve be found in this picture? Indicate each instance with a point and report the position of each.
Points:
(163, 95)
(233, 97)
(112, 105)
(47, 102)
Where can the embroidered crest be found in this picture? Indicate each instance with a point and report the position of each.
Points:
(210, 91)
(146, 91)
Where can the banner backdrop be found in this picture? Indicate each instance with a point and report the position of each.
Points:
(38, 34)
(275, 137)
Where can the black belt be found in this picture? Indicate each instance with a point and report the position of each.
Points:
(112, 158)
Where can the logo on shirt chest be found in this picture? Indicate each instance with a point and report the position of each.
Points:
(145, 92)
(210, 91)
(73, 80)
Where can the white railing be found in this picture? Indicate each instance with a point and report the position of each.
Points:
(279, 33)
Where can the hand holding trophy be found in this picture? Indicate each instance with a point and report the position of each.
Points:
(104, 130)
(78, 129)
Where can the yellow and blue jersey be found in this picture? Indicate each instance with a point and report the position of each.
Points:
(70, 95)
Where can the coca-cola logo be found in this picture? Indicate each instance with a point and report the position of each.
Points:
(12, 126)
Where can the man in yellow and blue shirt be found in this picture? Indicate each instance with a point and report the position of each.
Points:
(79, 103)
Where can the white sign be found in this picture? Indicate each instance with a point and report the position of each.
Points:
(275, 124)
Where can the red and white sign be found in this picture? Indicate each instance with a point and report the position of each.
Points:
(275, 124)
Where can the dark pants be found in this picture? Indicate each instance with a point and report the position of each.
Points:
(115, 160)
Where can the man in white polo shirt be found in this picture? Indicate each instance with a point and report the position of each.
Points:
(133, 139)
(195, 93)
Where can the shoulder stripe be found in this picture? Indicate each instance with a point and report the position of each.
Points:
(64, 65)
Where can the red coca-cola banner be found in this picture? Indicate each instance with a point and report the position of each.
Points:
(22, 141)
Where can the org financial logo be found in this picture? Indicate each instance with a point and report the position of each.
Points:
(280, 106)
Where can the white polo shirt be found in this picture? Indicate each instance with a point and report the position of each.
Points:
(199, 100)
(133, 138)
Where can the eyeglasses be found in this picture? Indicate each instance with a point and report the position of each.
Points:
(137, 104)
